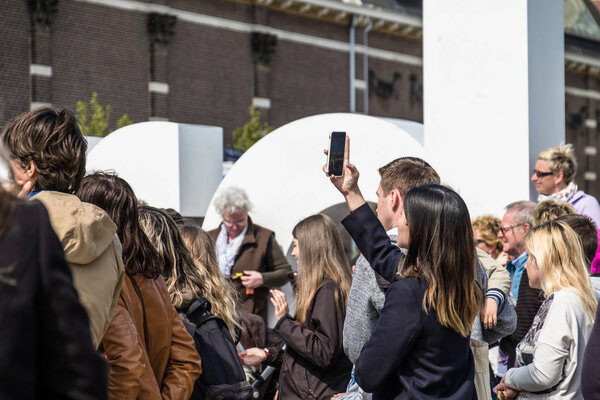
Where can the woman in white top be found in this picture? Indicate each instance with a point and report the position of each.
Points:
(549, 357)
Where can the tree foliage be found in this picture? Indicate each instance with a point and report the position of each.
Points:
(124, 121)
(244, 137)
(94, 117)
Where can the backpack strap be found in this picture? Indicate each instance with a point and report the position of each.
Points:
(139, 294)
(199, 311)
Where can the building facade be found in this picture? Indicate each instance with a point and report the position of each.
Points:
(207, 61)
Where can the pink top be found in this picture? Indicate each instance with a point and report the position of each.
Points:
(596, 260)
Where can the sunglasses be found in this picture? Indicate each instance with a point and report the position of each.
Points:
(540, 174)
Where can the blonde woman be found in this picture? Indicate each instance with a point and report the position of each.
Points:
(314, 365)
(554, 178)
(551, 354)
(212, 285)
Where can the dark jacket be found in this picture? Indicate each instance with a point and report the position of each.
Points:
(45, 340)
(259, 252)
(314, 365)
(590, 371)
(410, 355)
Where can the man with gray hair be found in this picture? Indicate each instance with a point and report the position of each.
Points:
(248, 253)
(516, 223)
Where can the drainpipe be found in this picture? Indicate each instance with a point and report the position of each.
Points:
(366, 67)
(352, 65)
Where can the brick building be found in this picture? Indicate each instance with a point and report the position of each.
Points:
(207, 61)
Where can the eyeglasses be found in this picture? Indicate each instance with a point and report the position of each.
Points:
(236, 223)
(503, 229)
(540, 174)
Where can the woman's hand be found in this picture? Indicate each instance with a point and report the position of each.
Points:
(279, 303)
(253, 356)
(489, 313)
(347, 184)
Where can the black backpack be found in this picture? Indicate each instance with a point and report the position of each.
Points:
(223, 376)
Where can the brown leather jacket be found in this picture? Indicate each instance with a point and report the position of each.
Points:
(259, 252)
(162, 365)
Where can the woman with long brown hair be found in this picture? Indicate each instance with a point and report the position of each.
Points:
(150, 354)
(313, 364)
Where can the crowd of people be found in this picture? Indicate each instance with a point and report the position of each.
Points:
(105, 296)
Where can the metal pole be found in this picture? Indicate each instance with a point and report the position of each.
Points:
(352, 65)
(366, 67)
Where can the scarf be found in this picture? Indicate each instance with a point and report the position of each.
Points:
(227, 252)
(562, 195)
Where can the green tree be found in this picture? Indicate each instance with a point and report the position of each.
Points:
(94, 117)
(244, 137)
(124, 121)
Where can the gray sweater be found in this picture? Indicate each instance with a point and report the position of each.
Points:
(365, 302)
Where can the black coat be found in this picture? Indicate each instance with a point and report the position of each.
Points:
(45, 341)
(410, 355)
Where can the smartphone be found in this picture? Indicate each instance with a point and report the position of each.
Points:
(335, 157)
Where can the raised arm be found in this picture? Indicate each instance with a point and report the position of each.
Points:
(370, 237)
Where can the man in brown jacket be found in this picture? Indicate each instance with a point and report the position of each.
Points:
(248, 253)
(47, 153)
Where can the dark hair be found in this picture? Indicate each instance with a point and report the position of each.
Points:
(115, 196)
(405, 173)
(51, 138)
(586, 230)
(441, 251)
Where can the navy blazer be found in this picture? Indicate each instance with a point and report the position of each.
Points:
(410, 355)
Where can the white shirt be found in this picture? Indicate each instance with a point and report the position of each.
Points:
(227, 252)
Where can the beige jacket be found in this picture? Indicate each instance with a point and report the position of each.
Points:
(93, 251)
(499, 278)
